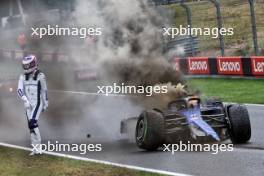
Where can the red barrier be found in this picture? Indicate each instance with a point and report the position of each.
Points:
(248, 66)
(7, 53)
(45, 56)
(176, 64)
(198, 65)
(18, 55)
(229, 66)
(257, 65)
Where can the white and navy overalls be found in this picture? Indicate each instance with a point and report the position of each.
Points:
(34, 87)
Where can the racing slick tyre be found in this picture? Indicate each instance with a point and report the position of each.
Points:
(150, 130)
(239, 124)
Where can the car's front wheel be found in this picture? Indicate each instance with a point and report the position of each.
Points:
(150, 130)
(239, 124)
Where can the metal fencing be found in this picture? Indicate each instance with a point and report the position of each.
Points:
(246, 17)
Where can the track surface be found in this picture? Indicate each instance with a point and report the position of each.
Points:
(71, 117)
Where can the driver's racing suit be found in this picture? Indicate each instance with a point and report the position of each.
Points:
(32, 89)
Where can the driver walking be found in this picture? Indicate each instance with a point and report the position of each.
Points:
(32, 89)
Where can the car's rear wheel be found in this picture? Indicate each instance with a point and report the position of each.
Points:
(150, 130)
(239, 124)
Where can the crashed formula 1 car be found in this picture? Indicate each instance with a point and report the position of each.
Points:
(189, 119)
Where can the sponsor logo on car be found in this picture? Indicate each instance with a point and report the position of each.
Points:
(229, 66)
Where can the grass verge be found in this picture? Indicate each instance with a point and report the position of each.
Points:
(17, 162)
(231, 90)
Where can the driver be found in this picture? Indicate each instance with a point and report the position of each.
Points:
(193, 102)
(32, 89)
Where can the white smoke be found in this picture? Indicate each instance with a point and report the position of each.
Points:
(130, 50)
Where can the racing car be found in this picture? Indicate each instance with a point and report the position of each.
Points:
(190, 119)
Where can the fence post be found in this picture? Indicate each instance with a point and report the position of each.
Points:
(220, 25)
(21, 11)
(189, 22)
(254, 28)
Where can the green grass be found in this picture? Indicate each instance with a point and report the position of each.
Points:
(15, 162)
(231, 90)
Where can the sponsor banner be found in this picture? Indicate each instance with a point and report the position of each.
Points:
(229, 66)
(19, 55)
(257, 65)
(198, 65)
(47, 57)
(62, 58)
(7, 54)
(1, 54)
(251, 66)
(176, 64)
(86, 74)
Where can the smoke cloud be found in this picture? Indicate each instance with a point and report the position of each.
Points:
(130, 50)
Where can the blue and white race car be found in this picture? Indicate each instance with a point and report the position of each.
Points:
(189, 119)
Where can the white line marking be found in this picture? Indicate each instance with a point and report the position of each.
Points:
(88, 93)
(99, 161)
(121, 95)
(248, 104)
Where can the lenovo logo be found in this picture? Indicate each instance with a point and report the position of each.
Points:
(176, 64)
(257, 65)
(198, 65)
(229, 66)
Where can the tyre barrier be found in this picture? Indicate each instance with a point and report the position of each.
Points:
(223, 66)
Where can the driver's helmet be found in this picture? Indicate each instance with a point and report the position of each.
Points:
(193, 101)
(29, 64)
